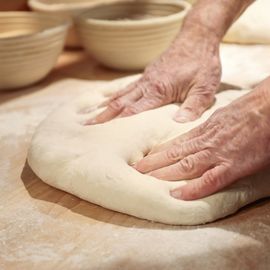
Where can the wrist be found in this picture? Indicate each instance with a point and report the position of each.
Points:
(196, 42)
(194, 29)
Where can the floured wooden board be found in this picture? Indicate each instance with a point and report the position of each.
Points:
(44, 228)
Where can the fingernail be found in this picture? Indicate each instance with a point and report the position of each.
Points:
(180, 119)
(184, 116)
(176, 193)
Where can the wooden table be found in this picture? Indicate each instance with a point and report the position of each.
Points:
(44, 228)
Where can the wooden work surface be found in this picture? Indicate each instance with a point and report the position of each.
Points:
(44, 228)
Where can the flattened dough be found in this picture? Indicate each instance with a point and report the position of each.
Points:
(92, 162)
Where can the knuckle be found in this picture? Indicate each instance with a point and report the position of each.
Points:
(158, 89)
(203, 101)
(207, 98)
(116, 105)
(190, 147)
(204, 91)
(213, 179)
(210, 179)
(173, 154)
(187, 165)
(131, 110)
(206, 156)
(211, 144)
(216, 143)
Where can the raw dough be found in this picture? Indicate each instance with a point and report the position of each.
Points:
(92, 162)
(253, 27)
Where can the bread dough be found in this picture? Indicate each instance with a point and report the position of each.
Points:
(92, 162)
(253, 27)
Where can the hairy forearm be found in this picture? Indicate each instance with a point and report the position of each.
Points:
(212, 19)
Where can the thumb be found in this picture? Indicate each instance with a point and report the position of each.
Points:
(193, 107)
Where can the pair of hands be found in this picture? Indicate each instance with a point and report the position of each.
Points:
(231, 144)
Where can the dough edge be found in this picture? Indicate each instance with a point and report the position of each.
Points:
(53, 166)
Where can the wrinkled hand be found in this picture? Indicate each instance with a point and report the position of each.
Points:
(234, 142)
(188, 72)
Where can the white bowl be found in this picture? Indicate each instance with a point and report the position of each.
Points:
(29, 46)
(68, 9)
(128, 35)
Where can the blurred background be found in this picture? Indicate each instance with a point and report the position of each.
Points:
(10, 5)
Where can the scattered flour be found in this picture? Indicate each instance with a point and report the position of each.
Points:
(31, 237)
(20, 123)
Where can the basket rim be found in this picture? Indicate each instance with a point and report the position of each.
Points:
(61, 24)
(83, 18)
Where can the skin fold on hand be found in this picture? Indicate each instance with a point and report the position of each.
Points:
(234, 142)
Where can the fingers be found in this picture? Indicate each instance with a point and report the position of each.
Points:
(188, 168)
(167, 157)
(117, 95)
(143, 104)
(192, 134)
(193, 107)
(127, 102)
(115, 107)
(212, 181)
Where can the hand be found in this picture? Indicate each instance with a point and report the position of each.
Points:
(234, 142)
(189, 72)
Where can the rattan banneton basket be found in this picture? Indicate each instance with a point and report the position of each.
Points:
(67, 8)
(128, 35)
(30, 43)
